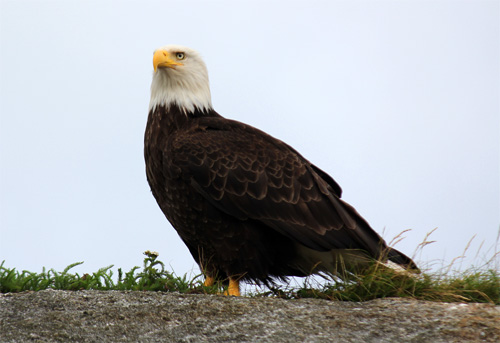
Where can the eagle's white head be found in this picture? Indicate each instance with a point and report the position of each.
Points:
(180, 78)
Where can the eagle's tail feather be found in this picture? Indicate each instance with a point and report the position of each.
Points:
(402, 260)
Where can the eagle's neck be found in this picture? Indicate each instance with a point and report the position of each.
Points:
(190, 93)
(165, 120)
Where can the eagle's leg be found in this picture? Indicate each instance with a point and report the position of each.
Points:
(209, 281)
(234, 287)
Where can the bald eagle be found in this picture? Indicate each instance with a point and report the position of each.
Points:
(248, 206)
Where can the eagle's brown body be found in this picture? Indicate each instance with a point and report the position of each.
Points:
(247, 205)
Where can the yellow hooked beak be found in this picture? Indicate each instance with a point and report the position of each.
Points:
(162, 59)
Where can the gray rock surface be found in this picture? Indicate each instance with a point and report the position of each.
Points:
(112, 316)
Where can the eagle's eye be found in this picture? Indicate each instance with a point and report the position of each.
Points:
(180, 55)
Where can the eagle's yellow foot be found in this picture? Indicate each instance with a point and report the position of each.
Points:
(209, 281)
(234, 288)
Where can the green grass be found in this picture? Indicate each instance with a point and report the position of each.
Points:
(482, 286)
(478, 286)
(152, 277)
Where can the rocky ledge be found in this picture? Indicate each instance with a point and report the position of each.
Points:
(113, 316)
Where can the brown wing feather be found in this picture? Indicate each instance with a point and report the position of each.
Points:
(250, 175)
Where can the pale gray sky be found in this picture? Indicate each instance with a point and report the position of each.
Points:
(397, 100)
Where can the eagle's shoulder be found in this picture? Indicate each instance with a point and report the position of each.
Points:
(231, 142)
